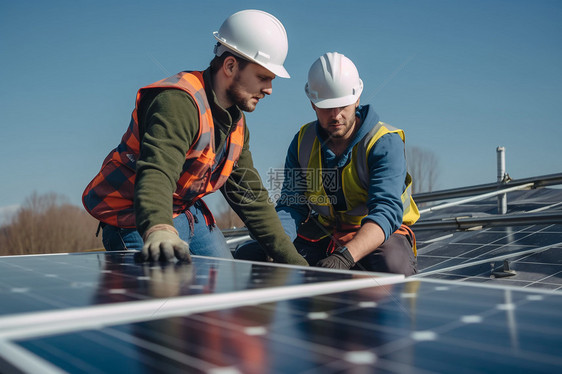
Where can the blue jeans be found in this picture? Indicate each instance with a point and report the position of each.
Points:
(203, 240)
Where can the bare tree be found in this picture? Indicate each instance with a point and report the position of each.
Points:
(49, 224)
(423, 167)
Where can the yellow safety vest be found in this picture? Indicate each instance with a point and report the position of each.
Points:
(354, 178)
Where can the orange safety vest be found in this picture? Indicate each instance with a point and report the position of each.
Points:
(109, 197)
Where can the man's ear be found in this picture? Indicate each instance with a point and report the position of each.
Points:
(229, 66)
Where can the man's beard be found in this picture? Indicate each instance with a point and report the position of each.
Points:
(348, 126)
(236, 96)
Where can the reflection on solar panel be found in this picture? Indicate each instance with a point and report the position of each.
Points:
(487, 299)
(102, 313)
(69, 297)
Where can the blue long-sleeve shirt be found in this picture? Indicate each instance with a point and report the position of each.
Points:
(387, 174)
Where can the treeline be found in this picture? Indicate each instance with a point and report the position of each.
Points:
(49, 224)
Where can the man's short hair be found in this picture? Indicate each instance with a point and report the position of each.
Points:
(217, 61)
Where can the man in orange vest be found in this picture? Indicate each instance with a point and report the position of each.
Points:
(188, 138)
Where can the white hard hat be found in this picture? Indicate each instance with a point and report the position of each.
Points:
(256, 36)
(333, 81)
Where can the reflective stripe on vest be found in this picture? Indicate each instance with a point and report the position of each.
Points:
(110, 195)
(354, 178)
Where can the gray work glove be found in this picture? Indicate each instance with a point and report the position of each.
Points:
(163, 245)
(340, 259)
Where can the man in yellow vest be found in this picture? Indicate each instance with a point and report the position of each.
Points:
(188, 138)
(345, 199)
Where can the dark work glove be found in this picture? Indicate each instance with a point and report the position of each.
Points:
(340, 259)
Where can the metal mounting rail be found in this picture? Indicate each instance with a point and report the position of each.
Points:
(540, 181)
(465, 223)
(230, 233)
(489, 189)
(476, 198)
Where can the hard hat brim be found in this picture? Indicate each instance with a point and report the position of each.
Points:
(278, 70)
(336, 103)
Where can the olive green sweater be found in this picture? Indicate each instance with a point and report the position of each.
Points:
(168, 125)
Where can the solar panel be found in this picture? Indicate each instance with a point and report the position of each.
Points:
(532, 250)
(486, 299)
(50, 282)
(103, 313)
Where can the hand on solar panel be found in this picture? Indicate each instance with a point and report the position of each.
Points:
(340, 259)
(163, 245)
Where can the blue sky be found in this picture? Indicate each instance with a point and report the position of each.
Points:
(460, 77)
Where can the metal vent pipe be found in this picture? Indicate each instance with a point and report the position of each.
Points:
(502, 178)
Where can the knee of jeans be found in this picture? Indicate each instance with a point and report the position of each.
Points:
(250, 250)
(374, 261)
(379, 262)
